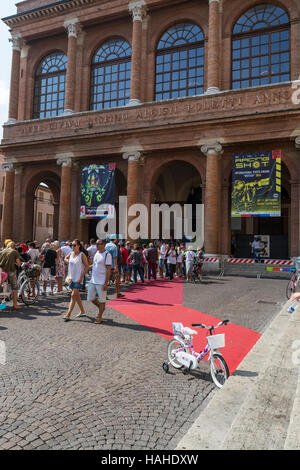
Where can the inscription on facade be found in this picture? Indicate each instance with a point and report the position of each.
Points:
(188, 109)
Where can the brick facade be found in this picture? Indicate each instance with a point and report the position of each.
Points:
(202, 131)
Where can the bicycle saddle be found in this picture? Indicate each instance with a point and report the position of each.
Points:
(187, 331)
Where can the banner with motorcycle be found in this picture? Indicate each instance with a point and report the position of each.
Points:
(256, 184)
(97, 191)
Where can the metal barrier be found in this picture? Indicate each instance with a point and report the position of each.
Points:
(222, 265)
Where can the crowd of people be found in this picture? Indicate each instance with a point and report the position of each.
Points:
(70, 263)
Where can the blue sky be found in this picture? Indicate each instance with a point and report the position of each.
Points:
(7, 8)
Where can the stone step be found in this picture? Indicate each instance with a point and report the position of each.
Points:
(259, 406)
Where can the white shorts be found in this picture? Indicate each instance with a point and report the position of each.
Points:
(46, 275)
(96, 290)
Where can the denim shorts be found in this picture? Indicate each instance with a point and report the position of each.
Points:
(76, 285)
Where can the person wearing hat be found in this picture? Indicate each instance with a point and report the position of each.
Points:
(113, 249)
(9, 259)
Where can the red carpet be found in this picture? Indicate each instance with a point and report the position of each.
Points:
(156, 305)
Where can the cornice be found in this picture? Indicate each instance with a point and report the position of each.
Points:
(41, 12)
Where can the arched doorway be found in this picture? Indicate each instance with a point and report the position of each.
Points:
(43, 220)
(178, 182)
(42, 194)
(274, 231)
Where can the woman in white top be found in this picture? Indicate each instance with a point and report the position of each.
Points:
(179, 261)
(189, 259)
(77, 268)
(171, 260)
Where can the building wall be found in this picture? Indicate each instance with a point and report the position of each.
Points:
(151, 136)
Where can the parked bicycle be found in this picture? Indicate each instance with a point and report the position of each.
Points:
(294, 283)
(28, 281)
(181, 353)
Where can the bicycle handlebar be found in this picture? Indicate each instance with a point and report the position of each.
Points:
(201, 325)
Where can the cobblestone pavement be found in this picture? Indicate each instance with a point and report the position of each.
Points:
(78, 385)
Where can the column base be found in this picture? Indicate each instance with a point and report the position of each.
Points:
(10, 121)
(134, 102)
(212, 90)
(68, 112)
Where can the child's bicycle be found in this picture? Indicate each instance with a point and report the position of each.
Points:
(181, 353)
(294, 282)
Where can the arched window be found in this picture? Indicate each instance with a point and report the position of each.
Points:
(180, 62)
(261, 47)
(49, 89)
(110, 81)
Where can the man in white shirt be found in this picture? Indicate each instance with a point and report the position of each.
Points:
(101, 269)
(65, 248)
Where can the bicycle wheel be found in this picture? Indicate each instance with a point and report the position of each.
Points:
(172, 347)
(218, 370)
(29, 292)
(290, 288)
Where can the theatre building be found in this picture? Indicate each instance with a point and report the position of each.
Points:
(168, 91)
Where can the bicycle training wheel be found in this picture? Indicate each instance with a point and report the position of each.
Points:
(290, 289)
(172, 347)
(29, 292)
(218, 370)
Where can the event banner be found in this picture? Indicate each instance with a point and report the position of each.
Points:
(97, 191)
(256, 184)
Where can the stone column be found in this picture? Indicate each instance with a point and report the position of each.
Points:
(213, 56)
(16, 41)
(64, 223)
(133, 158)
(18, 194)
(138, 11)
(8, 202)
(295, 210)
(73, 29)
(23, 103)
(212, 197)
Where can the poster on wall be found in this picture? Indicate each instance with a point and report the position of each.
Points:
(97, 196)
(264, 241)
(256, 184)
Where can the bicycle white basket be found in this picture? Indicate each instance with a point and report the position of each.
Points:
(216, 341)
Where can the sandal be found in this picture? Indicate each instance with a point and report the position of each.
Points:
(81, 315)
(66, 319)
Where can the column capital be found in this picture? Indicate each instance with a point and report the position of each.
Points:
(18, 169)
(73, 27)
(132, 156)
(297, 142)
(16, 41)
(138, 10)
(64, 160)
(214, 148)
(8, 166)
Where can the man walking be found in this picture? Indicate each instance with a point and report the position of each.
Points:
(151, 255)
(101, 269)
(112, 248)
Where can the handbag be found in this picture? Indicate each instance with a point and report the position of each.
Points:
(68, 281)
